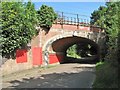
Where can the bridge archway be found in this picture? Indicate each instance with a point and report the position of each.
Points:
(57, 46)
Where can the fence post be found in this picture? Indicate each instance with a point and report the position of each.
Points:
(62, 21)
(71, 20)
(67, 20)
(77, 21)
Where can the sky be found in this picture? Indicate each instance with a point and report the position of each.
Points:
(82, 8)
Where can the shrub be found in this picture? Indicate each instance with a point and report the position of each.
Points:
(17, 27)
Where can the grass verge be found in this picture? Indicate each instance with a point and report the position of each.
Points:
(106, 76)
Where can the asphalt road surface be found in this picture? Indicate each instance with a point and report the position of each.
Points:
(72, 75)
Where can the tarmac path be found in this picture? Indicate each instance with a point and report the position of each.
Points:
(72, 75)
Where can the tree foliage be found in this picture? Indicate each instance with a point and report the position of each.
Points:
(46, 16)
(81, 50)
(112, 58)
(72, 52)
(112, 29)
(108, 18)
(85, 49)
(98, 17)
(18, 25)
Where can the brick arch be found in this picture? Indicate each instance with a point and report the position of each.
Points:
(63, 44)
(60, 46)
(64, 35)
(51, 42)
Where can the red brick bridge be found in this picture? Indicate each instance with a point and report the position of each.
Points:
(50, 46)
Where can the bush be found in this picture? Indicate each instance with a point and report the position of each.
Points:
(17, 27)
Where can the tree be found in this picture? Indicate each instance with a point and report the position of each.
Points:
(98, 17)
(71, 51)
(82, 49)
(17, 27)
(46, 16)
(107, 18)
(112, 23)
(112, 29)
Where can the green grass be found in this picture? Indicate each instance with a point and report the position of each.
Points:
(74, 55)
(106, 76)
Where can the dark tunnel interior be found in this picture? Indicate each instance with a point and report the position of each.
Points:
(87, 49)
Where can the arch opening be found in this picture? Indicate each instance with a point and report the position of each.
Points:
(82, 52)
(55, 50)
(86, 50)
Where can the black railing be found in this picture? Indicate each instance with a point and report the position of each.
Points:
(73, 19)
(70, 18)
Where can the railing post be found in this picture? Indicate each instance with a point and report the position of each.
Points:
(56, 21)
(62, 21)
(84, 22)
(71, 20)
(67, 20)
(77, 21)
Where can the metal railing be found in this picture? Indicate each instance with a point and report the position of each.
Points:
(73, 19)
(69, 18)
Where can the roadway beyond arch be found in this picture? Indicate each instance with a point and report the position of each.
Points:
(55, 48)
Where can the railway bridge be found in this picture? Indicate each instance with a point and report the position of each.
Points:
(65, 32)
(50, 45)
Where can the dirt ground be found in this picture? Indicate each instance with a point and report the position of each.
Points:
(72, 75)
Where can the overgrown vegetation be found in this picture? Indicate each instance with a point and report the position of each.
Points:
(106, 76)
(46, 16)
(71, 52)
(108, 18)
(81, 50)
(18, 23)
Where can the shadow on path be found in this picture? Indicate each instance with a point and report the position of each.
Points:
(87, 60)
(80, 79)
